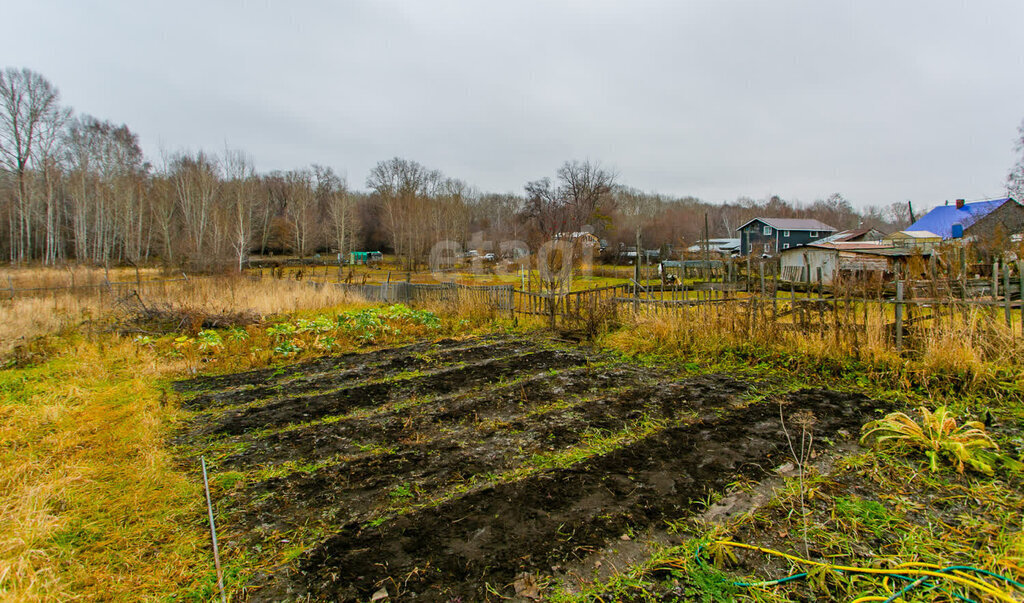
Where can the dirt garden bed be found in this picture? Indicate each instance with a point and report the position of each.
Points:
(447, 470)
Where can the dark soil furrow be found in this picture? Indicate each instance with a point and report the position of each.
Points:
(322, 364)
(416, 430)
(325, 374)
(309, 408)
(454, 413)
(490, 535)
(434, 466)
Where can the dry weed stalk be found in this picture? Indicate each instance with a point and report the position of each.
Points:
(805, 420)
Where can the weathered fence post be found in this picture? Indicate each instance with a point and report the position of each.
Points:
(963, 271)
(1020, 277)
(1006, 295)
(775, 291)
(761, 269)
(792, 300)
(899, 316)
(995, 280)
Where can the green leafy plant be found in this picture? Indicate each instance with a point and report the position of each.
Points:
(402, 492)
(372, 324)
(326, 343)
(280, 330)
(287, 348)
(209, 341)
(938, 436)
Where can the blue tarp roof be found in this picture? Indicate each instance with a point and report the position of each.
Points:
(941, 219)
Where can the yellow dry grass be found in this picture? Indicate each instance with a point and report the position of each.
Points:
(78, 276)
(91, 502)
(92, 506)
(969, 345)
(26, 317)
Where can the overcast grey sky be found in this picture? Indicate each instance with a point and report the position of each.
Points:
(879, 101)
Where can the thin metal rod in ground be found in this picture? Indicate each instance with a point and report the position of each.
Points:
(213, 532)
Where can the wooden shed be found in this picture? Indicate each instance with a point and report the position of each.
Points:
(822, 262)
(923, 240)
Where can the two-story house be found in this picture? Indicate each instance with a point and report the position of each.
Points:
(772, 235)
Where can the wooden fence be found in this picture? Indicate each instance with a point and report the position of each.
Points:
(574, 302)
(556, 307)
(753, 300)
(910, 305)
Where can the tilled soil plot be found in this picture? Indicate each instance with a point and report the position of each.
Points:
(442, 471)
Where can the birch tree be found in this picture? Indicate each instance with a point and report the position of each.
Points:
(240, 197)
(301, 210)
(195, 181)
(338, 207)
(29, 110)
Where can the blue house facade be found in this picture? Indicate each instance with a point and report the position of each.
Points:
(770, 236)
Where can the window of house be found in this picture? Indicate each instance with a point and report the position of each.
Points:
(767, 230)
(785, 245)
(814, 233)
(785, 233)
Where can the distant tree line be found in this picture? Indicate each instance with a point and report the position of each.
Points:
(78, 188)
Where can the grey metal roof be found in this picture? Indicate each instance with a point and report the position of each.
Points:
(896, 252)
(847, 235)
(792, 224)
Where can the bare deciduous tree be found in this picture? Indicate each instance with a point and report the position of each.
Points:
(30, 117)
(195, 180)
(585, 188)
(338, 206)
(1015, 179)
(301, 210)
(239, 201)
(401, 186)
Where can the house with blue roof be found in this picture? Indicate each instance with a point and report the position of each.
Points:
(978, 221)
